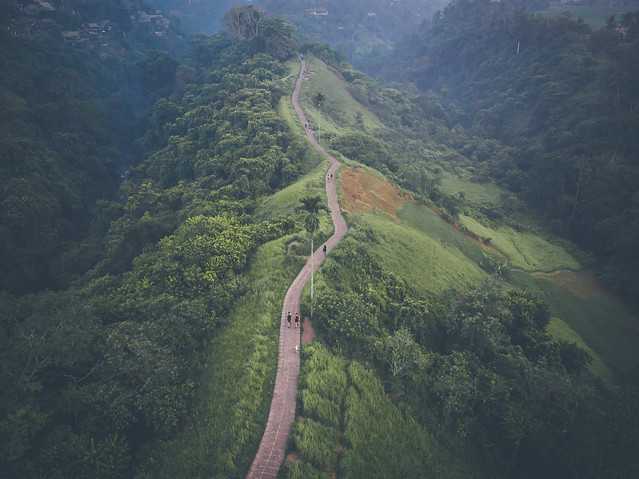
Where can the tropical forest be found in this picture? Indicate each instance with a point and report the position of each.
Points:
(319, 239)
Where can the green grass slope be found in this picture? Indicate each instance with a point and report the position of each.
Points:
(349, 427)
(233, 404)
(600, 319)
(339, 113)
(424, 261)
(525, 250)
(434, 256)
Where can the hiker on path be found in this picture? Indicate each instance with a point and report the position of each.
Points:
(288, 319)
(324, 248)
(297, 320)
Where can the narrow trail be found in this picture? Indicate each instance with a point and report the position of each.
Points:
(270, 453)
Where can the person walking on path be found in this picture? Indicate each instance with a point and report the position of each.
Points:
(324, 249)
(288, 319)
(297, 320)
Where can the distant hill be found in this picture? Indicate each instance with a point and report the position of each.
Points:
(76, 80)
(360, 31)
(564, 96)
(196, 16)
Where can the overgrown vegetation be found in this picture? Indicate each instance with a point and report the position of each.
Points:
(97, 376)
(70, 115)
(478, 370)
(564, 98)
(477, 366)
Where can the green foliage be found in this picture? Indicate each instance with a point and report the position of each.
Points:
(363, 148)
(401, 353)
(231, 405)
(317, 443)
(372, 438)
(478, 368)
(562, 96)
(348, 321)
(269, 35)
(101, 379)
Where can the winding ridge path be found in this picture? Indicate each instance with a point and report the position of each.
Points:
(270, 454)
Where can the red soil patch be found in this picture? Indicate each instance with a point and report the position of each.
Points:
(308, 334)
(365, 192)
(292, 457)
(583, 284)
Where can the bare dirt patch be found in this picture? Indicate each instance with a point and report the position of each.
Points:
(583, 284)
(365, 192)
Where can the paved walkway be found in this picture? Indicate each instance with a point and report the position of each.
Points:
(270, 454)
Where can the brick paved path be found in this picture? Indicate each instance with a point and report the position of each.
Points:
(270, 454)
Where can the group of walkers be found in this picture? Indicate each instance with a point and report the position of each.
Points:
(289, 319)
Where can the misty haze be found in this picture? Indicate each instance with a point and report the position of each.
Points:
(319, 239)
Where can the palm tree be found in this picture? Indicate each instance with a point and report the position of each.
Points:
(312, 205)
(319, 99)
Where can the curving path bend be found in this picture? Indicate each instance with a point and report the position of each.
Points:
(270, 453)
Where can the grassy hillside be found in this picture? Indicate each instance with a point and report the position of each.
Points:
(418, 245)
(525, 249)
(348, 426)
(598, 317)
(232, 406)
(341, 113)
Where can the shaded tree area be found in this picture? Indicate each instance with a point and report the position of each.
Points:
(271, 35)
(565, 98)
(480, 370)
(94, 375)
(70, 113)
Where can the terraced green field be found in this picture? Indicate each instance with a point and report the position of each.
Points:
(478, 194)
(524, 249)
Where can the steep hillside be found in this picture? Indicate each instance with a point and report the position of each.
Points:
(434, 251)
(415, 258)
(101, 379)
(77, 81)
(564, 97)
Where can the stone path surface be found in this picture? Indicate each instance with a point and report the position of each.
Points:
(270, 453)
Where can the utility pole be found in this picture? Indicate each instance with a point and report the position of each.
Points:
(312, 274)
